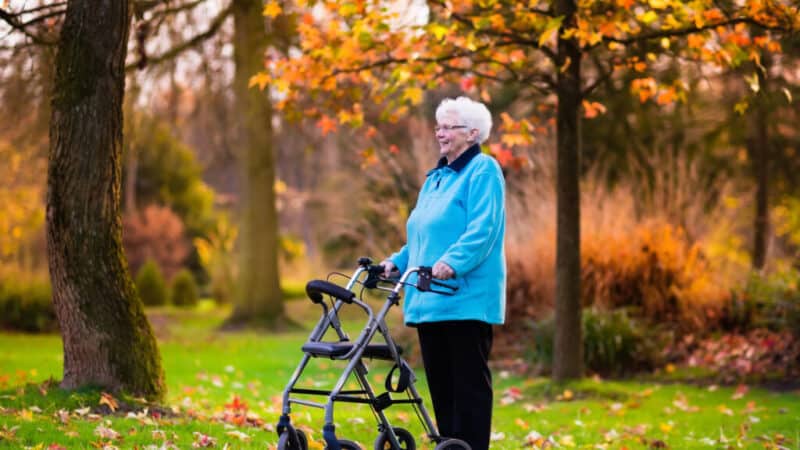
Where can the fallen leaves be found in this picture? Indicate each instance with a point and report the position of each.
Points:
(106, 433)
(203, 440)
(108, 400)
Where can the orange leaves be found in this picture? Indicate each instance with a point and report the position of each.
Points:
(696, 41)
(108, 400)
(505, 157)
(648, 88)
(592, 109)
(644, 87)
(326, 125)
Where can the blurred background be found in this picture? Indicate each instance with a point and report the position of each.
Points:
(690, 205)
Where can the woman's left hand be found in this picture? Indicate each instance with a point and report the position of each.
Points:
(442, 271)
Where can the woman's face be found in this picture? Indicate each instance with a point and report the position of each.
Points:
(453, 135)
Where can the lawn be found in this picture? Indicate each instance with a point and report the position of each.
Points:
(225, 389)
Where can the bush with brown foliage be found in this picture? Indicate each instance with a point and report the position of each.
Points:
(155, 233)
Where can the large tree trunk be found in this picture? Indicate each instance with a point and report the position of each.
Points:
(568, 345)
(108, 341)
(258, 300)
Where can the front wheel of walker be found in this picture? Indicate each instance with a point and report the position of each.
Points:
(285, 441)
(404, 438)
(452, 444)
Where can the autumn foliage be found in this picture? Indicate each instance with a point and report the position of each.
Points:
(354, 53)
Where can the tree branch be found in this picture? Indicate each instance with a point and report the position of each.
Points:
(605, 74)
(691, 30)
(13, 19)
(515, 36)
(215, 25)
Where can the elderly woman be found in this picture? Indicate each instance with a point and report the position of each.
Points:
(458, 226)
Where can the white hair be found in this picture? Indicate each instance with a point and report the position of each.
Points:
(470, 112)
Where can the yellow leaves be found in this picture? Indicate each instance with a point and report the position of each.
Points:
(272, 9)
(353, 117)
(567, 440)
(659, 4)
(413, 94)
(238, 435)
(753, 82)
(512, 139)
(438, 30)
(648, 17)
(260, 79)
(550, 30)
(725, 410)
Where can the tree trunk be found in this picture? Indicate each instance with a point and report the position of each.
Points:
(758, 143)
(107, 339)
(568, 345)
(258, 301)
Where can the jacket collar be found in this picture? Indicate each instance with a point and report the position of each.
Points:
(462, 160)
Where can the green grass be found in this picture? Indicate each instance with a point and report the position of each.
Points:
(206, 370)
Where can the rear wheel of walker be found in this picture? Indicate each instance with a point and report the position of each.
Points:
(285, 441)
(404, 438)
(348, 445)
(453, 444)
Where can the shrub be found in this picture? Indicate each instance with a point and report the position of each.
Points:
(184, 289)
(155, 233)
(150, 284)
(613, 343)
(657, 273)
(769, 301)
(26, 305)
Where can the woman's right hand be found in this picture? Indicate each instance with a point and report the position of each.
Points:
(388, 268)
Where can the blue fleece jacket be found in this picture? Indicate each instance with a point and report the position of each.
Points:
(460, 220)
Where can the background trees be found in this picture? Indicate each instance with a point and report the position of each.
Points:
(634, 112)
(362, 52)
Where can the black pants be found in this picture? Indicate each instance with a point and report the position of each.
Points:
(456, 355)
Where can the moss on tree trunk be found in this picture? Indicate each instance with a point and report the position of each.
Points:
(107, 339)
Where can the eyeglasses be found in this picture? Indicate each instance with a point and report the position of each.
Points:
(439, 128)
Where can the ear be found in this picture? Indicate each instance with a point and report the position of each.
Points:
(473, 135)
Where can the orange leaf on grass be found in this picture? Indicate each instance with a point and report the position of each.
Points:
(108, 400)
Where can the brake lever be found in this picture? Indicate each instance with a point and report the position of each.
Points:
(375, 276)
(425, 280)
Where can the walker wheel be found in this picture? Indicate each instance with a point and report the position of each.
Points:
(453, 444)
(404, 437)
(285, 440)
(348, 445)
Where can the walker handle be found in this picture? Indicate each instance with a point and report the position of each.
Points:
(425, 280)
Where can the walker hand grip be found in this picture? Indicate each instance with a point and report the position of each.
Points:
(425, 280)
(316, 288)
